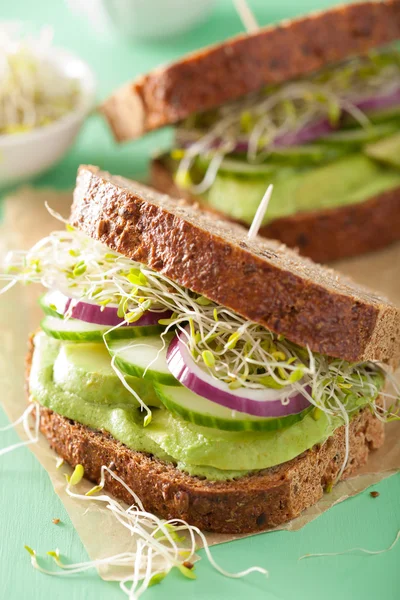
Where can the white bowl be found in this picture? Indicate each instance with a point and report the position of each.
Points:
(25, 155)
(142, 19)
(156, 19)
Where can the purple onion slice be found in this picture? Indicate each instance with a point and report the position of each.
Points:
(261, 403)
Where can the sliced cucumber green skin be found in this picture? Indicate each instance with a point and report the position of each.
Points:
(166, 396)
(123, 333)
(241, 167)
(381, 115)
(356, 138)
(386, 151)
(306, 155)
(47, 309)
(324, 150)
(292, 156)
(72, 336)
(97, 336)
(154, 376)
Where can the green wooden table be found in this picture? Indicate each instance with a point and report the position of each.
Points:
(27, 502)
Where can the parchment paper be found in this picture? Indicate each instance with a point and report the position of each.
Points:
(25, 221)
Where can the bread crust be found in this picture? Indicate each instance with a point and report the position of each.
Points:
(323, 235)
(251, 503)
(247, 62)
(259, 279)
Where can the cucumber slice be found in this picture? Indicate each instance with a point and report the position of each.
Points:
(201, 411)
(79, 331)
(144, 358)
(292, 156)
(53, 304)
(356, 138)
(237, 166)
(307, 155)
(386, 151)
(383, 115)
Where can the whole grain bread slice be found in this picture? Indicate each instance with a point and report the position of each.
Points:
(243, 64)
(323, 235)
(251, 503)
(259, 279)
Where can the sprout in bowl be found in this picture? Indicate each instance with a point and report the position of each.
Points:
(45, 95)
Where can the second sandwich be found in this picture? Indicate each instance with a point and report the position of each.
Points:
(311, 105)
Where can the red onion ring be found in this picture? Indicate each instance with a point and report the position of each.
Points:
(261, 403)
(104, 315)
(308, 133)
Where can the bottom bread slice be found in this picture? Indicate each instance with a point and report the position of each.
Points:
(250, 503)
(324, 235)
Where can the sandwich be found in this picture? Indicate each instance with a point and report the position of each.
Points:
(311, 105)
(226, 380)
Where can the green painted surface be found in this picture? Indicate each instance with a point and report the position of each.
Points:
(27, 501)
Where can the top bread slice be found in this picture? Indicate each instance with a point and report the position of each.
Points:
(224, 72)
(259, 279)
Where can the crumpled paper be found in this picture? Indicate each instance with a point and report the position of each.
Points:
(25, 221)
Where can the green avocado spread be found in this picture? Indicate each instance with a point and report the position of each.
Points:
(315, 139)
(77, 381)
(350, 180)
(306, 178)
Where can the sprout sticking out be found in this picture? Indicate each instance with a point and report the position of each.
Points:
(354, 550)
(24, 419)
(234, 350)
(158, 545)
(229, 347)
(282, 115)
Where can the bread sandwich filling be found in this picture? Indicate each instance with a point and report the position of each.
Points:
(324, 141)
(166, 371)
(76, 381)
